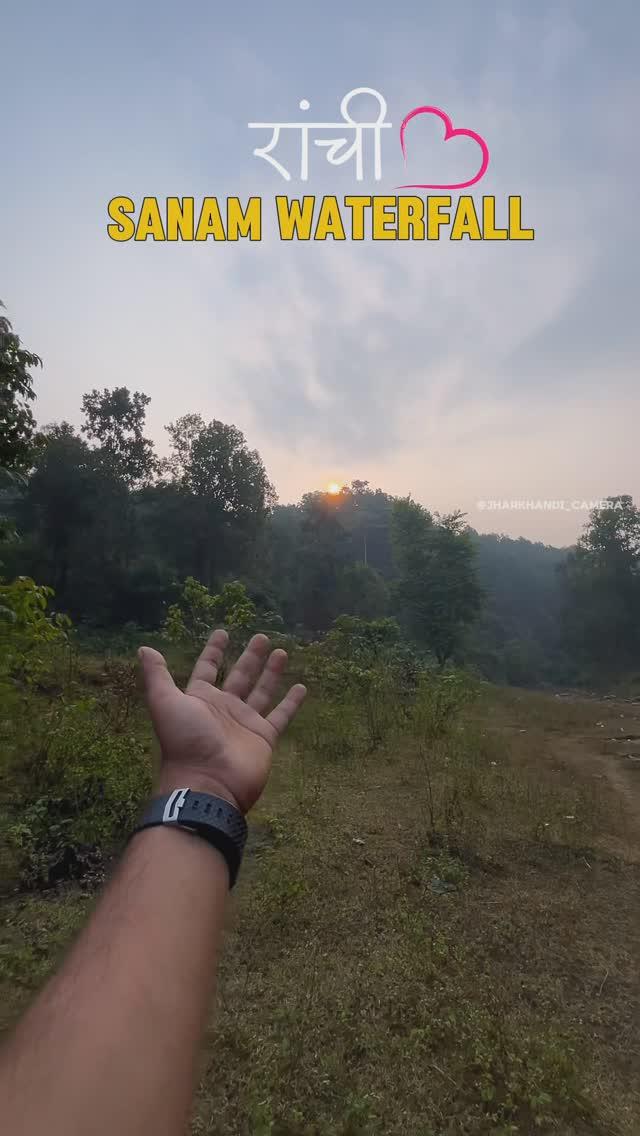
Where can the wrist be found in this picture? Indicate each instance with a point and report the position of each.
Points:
(201, 813)
(183, 777)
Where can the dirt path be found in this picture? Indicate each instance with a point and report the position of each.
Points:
(609, 752)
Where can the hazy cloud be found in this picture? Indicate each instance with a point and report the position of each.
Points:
(452, 371)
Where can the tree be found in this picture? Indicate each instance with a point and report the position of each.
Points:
(115, 420)
(612, 535)
(18, 437)
(366, 516)
(321, 555)
(362, 592)
(437, 592)
(602, 586)
(81, 535)
(226, 493)
(523, 604)
(278, 572)
(76, 515)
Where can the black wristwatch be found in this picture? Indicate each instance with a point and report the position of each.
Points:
(216, 820)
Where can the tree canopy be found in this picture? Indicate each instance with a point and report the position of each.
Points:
(119, 532)
(17, 424)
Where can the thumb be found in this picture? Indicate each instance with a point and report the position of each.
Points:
(155, 676)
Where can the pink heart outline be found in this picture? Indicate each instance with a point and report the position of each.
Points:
(450, 131)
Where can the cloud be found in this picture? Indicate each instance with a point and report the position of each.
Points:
(451, 371)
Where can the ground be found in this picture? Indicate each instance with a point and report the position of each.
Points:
(433, 939)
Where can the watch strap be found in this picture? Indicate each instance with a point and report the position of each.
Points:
(217, 821)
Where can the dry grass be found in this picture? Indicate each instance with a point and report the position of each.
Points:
(427, 940)
(383, 977)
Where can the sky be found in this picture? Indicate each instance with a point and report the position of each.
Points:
(459, 372)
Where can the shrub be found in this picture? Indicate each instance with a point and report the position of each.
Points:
(441, 697)
(26, 630)
(448, 762)
(333, 733)
(197, 612)
(190, 619)
(363, 671)
(81, 794)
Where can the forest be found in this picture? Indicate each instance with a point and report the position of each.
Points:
(94, 514)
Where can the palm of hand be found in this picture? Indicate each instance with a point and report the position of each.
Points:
(218, 740)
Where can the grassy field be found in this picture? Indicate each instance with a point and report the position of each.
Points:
(437, 936)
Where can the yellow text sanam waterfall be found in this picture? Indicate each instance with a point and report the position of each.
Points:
(356, 218)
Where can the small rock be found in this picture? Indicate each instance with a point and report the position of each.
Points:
(440, 886)
(357, 840)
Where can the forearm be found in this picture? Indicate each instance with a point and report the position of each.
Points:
(110, 1044)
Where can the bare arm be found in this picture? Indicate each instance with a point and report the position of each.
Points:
(110, 1044)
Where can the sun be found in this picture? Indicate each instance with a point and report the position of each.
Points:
(333, 488)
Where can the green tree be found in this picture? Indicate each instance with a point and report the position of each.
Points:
(280, 560)
(18, 436)
(77, 520)
(321, 555)
(115, 421)
(366, 516)
(602, 582)
(436, 590)
(362, 592)
(225, 493)
(519, 632)
(58, 506)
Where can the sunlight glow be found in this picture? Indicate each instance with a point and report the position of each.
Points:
(333, 488)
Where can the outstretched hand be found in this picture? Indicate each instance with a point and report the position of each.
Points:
(220, 740)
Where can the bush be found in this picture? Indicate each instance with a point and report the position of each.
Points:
(368, 679)
(197, 612)
(81, 794)
(441, 697)
(448, 763)
(27, 632)
(333, 733)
